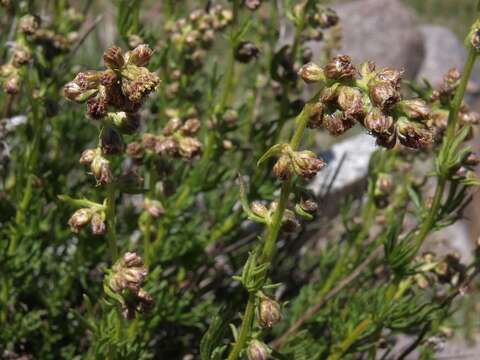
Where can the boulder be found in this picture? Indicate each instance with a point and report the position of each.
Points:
(384, 31)
(443, 50)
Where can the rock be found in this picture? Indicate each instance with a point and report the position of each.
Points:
(384, 31)
(443, 50)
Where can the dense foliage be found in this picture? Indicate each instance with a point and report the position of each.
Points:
(155, 200)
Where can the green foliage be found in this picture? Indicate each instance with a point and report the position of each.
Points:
(183, 253)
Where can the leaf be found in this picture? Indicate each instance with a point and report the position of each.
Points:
(212, 340)
(274, 150)
(245, 205)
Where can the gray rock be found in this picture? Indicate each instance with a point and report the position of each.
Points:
(384, 31)
(443, 50)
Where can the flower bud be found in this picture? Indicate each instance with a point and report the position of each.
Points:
(472, 160)
(113, 58)
(140, 56)
(340, 67)
(98, 224)
(149, 141)
(383, 94)
(154, 208)
(88, 80)
(73, 92)
(336, 123)
(21, 55)
(190, 127)
(475, 39)
(12, 85)
(385, 184)
(135, 150)
(101, 170)
(29, 24)
(87, 156)
(389, 75)
(172, 126)
(252, 4)
(269, 313)
(166, 146)
(230, 117)
(111, 142)
(282, 168)
(413, 134)
(259, 209)
(79, 219)
(257, 350)
(379, 123)
(350, 100)
(306, 164)
(189, 147)
(246, 51)
(309, 206)
(311, 73)
(316, 115)
(415, 109)
(97, 106)
(327, 18)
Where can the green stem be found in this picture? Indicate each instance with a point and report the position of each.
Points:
(455, 105)
(271, 237)
(111, 222)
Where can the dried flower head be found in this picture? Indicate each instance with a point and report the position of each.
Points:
(383, 94)
(140, 56)
(306, 164)
(337, 123)
(340, 67)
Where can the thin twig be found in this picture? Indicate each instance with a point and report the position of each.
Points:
(277, 343)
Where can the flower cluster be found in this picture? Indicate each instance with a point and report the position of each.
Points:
(439, 100)
(124, 282)
(113, 96)
(31, 34)
(177, 140)
(95, 216)
(434, 272)
(371, 98)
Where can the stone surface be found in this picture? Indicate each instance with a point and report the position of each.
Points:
(384, 31)
(443, 50)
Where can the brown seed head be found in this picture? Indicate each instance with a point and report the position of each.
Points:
(257, 350)
(140, 56)
(306, 164)
(80, 219)
(340, 67)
